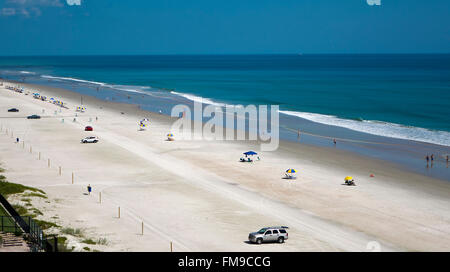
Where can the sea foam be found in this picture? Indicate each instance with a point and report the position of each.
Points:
(198, 99)
(126, 88)
(373, 127)
(378, 128)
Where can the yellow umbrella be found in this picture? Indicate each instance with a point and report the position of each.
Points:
(291, 171)
(170, 135)
(348, 178)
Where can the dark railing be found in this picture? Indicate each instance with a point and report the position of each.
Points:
(25, 224)
(9, 224)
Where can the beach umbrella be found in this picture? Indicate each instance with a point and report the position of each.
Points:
(348, 178)
(170, 135)
(250, 153)
(291, 171)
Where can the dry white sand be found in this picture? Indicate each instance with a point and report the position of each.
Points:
(197, 195)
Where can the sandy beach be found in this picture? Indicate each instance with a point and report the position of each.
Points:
(197, 195)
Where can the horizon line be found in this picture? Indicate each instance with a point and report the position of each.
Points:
(224, 54)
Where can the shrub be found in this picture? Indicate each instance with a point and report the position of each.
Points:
(72, 231)
(102, 241)
(89, 241)
(8, 188)
(45, 225)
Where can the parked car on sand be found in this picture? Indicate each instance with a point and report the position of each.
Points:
(90, 139)
(269, 234)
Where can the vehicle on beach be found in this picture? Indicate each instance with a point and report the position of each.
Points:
(34, 116)
(269, 234)
(88, 128)
(90, 139)
(13, 110)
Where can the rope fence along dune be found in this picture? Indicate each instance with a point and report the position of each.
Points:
(122, 209)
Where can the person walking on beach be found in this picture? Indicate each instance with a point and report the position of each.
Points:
(334, 142)
(17, 141)
(428, 160)
(298, 135)
(89, 188)
(446, 159)
(432, 159)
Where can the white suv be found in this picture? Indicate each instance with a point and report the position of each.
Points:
(90, 139)
(270, 234)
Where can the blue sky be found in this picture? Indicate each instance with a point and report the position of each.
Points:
(72, 27)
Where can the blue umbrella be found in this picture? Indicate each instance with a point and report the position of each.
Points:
(250, 153)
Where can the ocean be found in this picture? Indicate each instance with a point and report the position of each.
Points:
(366, 98)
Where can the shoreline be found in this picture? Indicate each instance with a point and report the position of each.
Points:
(317, 191)
(408, 154)
(136, 109)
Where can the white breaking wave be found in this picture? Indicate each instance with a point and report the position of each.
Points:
(26, 72)
(130, 88)
(198, 99)
(74, 79)
(126, 88)
(378, 128)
